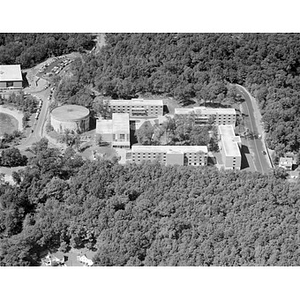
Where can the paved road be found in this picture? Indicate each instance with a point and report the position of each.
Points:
(38, 127)
(40, 88)
(257, 146)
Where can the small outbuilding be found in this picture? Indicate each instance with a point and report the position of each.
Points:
(286, 163)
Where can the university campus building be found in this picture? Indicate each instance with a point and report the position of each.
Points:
(171, 155)
(221, 116)
(11, 80)
(137, 107)
(230, 147)
(115, 131)
(70, 117)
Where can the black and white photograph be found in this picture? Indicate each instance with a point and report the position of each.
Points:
(163, 150)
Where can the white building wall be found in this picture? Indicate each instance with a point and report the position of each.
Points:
(60, 126)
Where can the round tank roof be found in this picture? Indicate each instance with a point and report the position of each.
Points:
(70, 112)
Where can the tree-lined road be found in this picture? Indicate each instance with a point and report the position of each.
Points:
(36, 135)
(261, 160)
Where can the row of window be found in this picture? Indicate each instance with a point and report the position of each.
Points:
(136, 106)
(164, 160)
(164, 153)
(121, 136)
(163, 157)
(149, 155)
(218, 115)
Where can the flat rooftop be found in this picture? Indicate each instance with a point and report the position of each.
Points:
(287, 161)
(134, 102)
(10, 73)
(229, 140)
(70, 112)
(120, 123)
(104, 126)
(169, 149)
(202, 110)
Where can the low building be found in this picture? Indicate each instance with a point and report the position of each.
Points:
(171, 155)
(286, 163)
(137, 107)
(85, 261)
(230, 147)
(115, 131)
(11, 80)
(53, 261)
(221, 116)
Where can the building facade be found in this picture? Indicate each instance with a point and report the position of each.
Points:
(230, 147)
(137, 107)
(115, 131)
(171, 155)
(11, 80)
(220, 116)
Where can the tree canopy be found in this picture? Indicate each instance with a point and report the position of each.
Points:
(148, 214)
(193, 66)
(29, 49)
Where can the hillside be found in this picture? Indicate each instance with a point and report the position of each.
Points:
(29, 49)
(199, 66)
(147, 215)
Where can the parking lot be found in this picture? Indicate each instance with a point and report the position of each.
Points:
(58, 63)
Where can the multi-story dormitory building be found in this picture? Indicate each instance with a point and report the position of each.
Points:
(230, 147)
(221, 116)
(137, 107)
(117, 132)
(171, 155)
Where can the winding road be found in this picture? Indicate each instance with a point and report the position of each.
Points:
(256, 145)
(40, 88)
(37, 133)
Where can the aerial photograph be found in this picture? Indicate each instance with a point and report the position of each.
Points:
(149, 149)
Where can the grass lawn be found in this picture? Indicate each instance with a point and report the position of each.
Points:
(8, 124)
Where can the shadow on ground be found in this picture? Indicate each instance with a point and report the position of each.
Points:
(25, 80)
(211, 161)
(244, 162)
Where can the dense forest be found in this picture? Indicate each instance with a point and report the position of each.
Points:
(200, 66)
(29, 49)
(148, 214)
